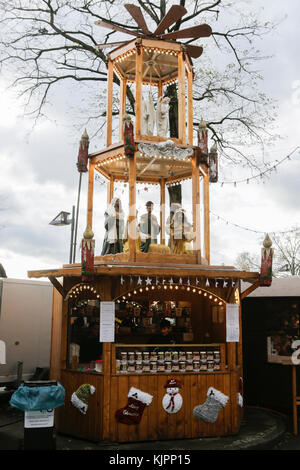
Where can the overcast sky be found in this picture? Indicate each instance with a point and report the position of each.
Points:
(38, 175)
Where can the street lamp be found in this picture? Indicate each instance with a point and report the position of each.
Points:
(62, 219)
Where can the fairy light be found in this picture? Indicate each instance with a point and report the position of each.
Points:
(263, 173)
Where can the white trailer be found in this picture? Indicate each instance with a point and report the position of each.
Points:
(25, 328)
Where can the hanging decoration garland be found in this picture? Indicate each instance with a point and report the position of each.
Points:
(252, 230)
(262, 174)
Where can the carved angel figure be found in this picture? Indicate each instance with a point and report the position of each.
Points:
(162, 116)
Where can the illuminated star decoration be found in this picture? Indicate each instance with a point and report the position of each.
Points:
(139, 280)
(148, 281)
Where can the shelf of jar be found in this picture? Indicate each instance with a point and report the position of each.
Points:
(137, 359)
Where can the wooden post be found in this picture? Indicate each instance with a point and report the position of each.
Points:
(109, 103)
(196, 210)
(159, 89)
(138, 91)
(294, 392)
(132, 209)
(57, 305)
(64, 335)
(190, 108)
(181, 99)
(206, 218)
(90, 195)
(123, 86)
(162, 211)
(110, 190)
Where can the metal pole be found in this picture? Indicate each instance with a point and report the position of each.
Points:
(76, 225)
(72, 234)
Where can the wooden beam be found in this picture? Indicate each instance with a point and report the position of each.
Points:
(249, 290)
(123, 86)
(90, 195)
(57, 286)
(162, 211)
(206, 218)
(56, 326)
(190, 108)
(138, 92)
(160, 89)
(110, 74)
(132, 208)
(110, 190)
(196, 209)
(181, 99)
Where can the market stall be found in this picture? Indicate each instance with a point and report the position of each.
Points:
(122, 383)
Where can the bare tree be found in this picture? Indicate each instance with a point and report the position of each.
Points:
(286, 261)
(45, 43)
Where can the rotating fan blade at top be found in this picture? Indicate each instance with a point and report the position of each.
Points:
(137, 15)
(174, 14)
(111, 44)
(107, 24)
(194, 51)
(200, 31)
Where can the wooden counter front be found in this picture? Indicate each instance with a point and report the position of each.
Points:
(70, 420)
(157, 424)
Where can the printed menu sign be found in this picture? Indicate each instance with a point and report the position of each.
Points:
(232, 323)
(107, 322)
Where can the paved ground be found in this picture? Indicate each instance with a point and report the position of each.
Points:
(260, 430)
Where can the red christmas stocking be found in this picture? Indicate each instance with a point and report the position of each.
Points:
(133, 411)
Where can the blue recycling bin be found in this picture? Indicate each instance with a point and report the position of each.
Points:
(38, 399)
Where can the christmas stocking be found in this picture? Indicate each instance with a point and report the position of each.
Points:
(209, 411)
(133, 411)
(80, 398)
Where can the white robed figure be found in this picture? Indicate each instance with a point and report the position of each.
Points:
(148, 116)
(162, 116)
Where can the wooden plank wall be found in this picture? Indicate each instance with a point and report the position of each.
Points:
(157, 424)
(70, 420)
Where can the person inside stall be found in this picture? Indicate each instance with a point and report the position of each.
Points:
(91, 348)
(114, 228)
(149, 228)
(165, 334)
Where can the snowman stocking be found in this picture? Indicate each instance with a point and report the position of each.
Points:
(209, 411)
(133, 411)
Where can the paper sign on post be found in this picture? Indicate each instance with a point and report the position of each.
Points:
(107, 322)
(232, 323)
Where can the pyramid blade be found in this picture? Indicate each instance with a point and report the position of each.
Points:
(200, 31)
(174, 14)
(107, 24)
(138, 17)
(194, 51)
(111, 44)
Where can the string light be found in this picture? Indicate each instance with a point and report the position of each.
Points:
(262, 174)
(255, 231)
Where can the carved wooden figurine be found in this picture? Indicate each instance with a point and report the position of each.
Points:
(266, 262)
(83, 153)
(87, 255)
(129, 146)
(162, 116)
